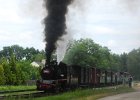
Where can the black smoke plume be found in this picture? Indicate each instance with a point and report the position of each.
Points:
(55, 25)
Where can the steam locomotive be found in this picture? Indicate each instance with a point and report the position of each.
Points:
(60, 77)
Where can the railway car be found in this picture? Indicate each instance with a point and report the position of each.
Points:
(102, 78)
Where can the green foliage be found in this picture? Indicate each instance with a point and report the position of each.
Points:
(124, 64)
(16, 72)
(38, 57)
(7, 71)
(28, 72)
(15, 66)
(79, 52)
(85, 52)
(133, 63)
(115, 62)
(20, 53)
(105, 57)
(2, 77)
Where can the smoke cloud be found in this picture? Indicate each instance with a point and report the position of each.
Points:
(62, 46)
(55, 25)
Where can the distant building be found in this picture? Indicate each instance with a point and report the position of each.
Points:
(43, 61)
(38, 64)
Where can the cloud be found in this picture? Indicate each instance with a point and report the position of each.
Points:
(31, 9)
(131, 6)
(9, 15)
(122, 45)
(25, 39)
(112, 43)
(100, 30)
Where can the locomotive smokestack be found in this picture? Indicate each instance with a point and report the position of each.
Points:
(54, 24)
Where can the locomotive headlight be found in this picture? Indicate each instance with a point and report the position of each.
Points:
(46, 71)
(62, 75)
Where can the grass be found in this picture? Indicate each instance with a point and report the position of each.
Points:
(86, 94)
(11, 88)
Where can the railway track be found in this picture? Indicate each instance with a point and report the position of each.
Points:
(9, 95)
(10, 91)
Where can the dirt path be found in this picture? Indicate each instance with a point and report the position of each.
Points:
(125, 96)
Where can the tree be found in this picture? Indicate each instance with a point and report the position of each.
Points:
(19, 52)
(15, 62)
(15, 49)
(115, 62)
(28, 72)
(123, 58)
(29, 53)
(85, 52)
(104, 58)
(7, 71)
(2, 77)
(39, 57)
(134, 63)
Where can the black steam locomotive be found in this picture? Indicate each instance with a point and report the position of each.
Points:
(59, 77)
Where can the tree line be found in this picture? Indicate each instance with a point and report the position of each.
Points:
(85, 52)
(15, 64)
(15, 61)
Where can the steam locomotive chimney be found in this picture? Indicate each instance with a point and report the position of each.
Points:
(55, 25)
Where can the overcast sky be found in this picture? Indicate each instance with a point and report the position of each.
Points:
(111, 23)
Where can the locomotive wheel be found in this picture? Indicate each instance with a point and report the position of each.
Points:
(45, 91)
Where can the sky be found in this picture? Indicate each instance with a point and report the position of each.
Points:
(111, 23)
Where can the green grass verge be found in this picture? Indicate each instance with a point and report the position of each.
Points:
(83, 94)
(10, 88)
(86, 94)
